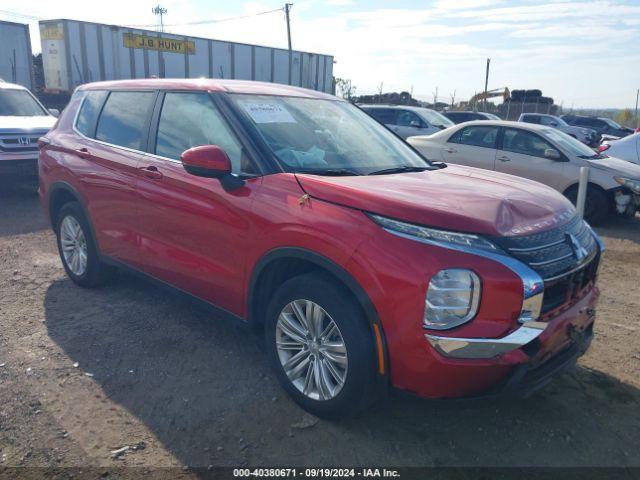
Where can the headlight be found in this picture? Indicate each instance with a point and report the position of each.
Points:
(452, 298)
(633, 185)
(432, 235)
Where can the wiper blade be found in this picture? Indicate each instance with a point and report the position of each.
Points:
(402, 169)
(337, 172)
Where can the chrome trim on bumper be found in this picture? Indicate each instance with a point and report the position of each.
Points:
(483, 348)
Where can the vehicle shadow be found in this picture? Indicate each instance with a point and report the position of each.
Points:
(204, 389)
(19, 200)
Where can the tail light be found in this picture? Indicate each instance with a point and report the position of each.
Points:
(603, 147)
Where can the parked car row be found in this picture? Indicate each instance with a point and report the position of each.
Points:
(408, 121)
(588, 136)
(363, 264)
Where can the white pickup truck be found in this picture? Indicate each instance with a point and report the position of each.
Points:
(23, 119)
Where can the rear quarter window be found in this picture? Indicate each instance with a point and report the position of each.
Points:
(89, 111)
(125, 119)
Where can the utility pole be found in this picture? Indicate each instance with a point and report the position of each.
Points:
(159, 12)
(636, 111)
(486, 84)
(435, 98)
(287, 8)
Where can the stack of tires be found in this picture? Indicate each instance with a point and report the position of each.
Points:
(530, 96)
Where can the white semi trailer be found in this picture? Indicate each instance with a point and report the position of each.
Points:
(15, 54)
(75, 52)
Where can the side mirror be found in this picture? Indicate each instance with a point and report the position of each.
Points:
(415, 124)
(210, 161)
(552, 154)
(54, 111)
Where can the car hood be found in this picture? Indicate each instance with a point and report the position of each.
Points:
(616, 167)
(453, 198)
(12, 124)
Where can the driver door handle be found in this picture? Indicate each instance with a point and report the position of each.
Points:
(151, 172)
(450, 150)
(504, 158)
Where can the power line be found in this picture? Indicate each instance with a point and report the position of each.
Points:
(202, 22)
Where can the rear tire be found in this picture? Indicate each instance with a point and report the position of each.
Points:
(310, 362)
(77, 248)
(597, 206)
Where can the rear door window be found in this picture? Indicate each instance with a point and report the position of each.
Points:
(124, 120)
(476, 135)
(89, 111)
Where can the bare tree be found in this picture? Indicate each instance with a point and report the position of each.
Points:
(453, 98)
(345, 88)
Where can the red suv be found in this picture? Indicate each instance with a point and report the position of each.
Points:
(364, 264)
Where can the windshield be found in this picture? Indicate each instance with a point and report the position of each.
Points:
(611, 123)
(434, 118)
(325, 136)
(570, 144)
(491, 116)
(19, 103)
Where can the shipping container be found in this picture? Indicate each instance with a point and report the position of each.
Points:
(15, 54)
(75, 52)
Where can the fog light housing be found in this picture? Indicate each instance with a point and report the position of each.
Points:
(453, 297)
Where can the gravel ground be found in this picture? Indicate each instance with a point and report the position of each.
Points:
(86, 372)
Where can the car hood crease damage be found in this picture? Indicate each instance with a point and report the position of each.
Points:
(456, 198)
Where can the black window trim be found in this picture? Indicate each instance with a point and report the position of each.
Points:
(144, 139)
(495, 143)
(92, 130)
(500, 144)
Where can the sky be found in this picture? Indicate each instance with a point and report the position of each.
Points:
(584, 54)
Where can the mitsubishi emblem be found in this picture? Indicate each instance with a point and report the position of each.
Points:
(578, 250)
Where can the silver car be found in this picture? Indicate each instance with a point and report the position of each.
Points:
(408, 121)
(588, 136)
(539, 153)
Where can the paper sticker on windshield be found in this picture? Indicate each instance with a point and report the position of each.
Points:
(264, 112)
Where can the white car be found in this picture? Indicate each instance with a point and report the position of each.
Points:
(408, 121)
(539, 153)
(23, 120)
(627, 148)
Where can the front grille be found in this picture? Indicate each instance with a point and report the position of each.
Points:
(16, 142)
(565, 257)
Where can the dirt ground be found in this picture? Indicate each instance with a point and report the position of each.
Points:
(85, 372)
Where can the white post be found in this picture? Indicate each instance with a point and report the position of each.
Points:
(582, 190)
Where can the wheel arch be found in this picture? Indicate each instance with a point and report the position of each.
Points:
(293, 261)
(61, 193)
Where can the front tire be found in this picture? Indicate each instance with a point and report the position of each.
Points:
(77, 248)
(320, 346)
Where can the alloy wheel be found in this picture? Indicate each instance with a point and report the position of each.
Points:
(311, 350)
(74, 245)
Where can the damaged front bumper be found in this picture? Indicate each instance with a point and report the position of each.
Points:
(626, 202)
